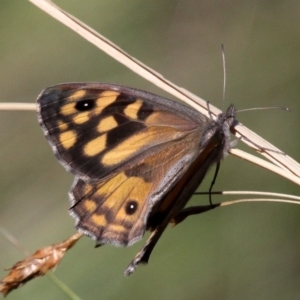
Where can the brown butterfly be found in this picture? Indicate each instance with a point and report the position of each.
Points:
(137, 158)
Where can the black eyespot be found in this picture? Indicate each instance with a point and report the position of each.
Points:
(85, 105)
(131, 207)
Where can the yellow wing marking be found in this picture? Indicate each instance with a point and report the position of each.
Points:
(136, 142)
(120, 187)
(62, 126)
(90, 205)
(107, 124)
(95, 146)
(68, 139)
(99, 220)
(68, 109)
(78, 95)
(82, 117)
(132, 109)
(112, 94)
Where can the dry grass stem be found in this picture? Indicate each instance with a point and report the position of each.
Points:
(17, 106)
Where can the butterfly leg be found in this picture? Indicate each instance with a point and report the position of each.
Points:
(213, 182)
(144, 254)
(192, 210)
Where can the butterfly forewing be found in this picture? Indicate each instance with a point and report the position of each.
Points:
(97, 130)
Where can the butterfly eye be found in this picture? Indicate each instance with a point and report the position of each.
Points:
(85, 105)
(131, 207)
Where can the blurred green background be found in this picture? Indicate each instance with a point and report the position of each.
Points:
(246, 251)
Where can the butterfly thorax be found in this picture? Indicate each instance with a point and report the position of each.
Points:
(217, 132)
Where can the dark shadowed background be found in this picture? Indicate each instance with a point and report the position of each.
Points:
(246, 251)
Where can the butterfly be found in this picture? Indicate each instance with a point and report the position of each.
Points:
(137, 158)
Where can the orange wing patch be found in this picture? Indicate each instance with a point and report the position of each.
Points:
(136, 143)
(106, 124)
(132, 109)
(113, 208)
(68, 139)
(95, 146)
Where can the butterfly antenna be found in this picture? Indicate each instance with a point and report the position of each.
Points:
(224, 74)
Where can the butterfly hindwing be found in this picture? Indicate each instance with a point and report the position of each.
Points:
(115, 210)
